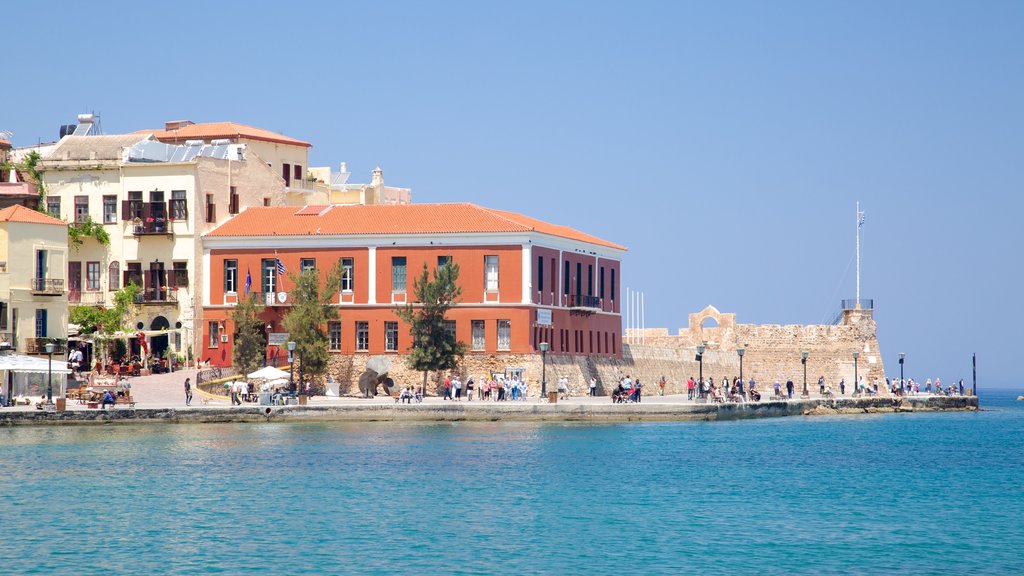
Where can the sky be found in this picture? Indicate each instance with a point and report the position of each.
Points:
(724, 143)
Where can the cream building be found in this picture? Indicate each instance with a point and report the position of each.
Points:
(334, 188)
(155, 200)
(33, 257)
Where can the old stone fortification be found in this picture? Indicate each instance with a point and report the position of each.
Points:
(772, 352)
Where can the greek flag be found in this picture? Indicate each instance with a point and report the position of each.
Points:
(280, 266)
(248, 280)
(860, 223)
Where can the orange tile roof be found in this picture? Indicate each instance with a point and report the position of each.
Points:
(423, 219)
(4, 143)
(213, 130)
(19, 213)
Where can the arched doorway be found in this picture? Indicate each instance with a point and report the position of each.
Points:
(157, 344)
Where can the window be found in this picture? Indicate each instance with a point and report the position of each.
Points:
(110, 209)
(504, 334)
(231, 275)
(491, 273)
(347, 271)
(92, 276)
(53, 206)
(179, 205)
(391, 336)
(286, 173)
(298, 172)
(450, 326)
(133, 274)
(211, 209)
(565, 279)
(214, 334)
(540, 273)
(612, 294)
(269, 275)
(40, 322)
(443, 261)
(179, 275)
(266, 201)
(81, 208)
(362, 336)
(307, 264)
(398, 274)
(579, 279)
(114, 276)
(590, 279)
(134, 205)
(334, 336)
(479, 335)
(601, 284)
(3, 316)
(233, 201)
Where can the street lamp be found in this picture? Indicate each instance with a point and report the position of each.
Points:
(291, 367)
(50, 347)
(739, 352)
(543, 369)
(856, 380)
(700, 357)
(803, 360)
(902, 355)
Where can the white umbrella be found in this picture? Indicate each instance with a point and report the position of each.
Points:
(269, 373)
(278, 383)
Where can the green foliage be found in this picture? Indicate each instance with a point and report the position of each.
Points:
(29, 167)
(306, 321)
(93, 319)
(433, 347)
(250, 346)
(90, 229)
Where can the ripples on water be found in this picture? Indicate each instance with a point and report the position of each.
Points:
(922, 493)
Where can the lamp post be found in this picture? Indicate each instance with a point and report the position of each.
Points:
(902, 355)
(856, 380)
(291, 367)
(543, 369)
(740, 352)
(803, 360)
(700, 358)
(50, 347)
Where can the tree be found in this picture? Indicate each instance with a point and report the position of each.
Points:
(103, 322)
(249, 350)
(433, 346)
(87, 228)
(306, 322)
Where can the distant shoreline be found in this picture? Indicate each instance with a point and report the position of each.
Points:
(491, 411)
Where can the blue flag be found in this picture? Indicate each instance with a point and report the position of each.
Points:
(248, 280)
(280, 267)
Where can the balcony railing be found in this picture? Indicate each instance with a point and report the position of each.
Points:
(300, 184)
(87, 298)
(152, 227)
(865, 304)
(269, 298)
(48, 286)
(581, 301)
(157, 296)
(38, 346)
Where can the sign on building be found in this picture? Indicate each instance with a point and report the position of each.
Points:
(277, 339)
(544, 317)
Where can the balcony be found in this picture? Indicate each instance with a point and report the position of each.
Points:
(581, 302)
(157, 296)
(38, 346)
(271, 298)
(152, 227)
(300, 185)
(48, 286)
(87, 298)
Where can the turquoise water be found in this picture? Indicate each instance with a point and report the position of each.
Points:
(911, 493)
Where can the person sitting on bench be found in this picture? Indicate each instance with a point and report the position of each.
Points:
(108, 398)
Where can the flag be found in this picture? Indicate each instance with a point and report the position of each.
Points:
(248, 280)
(280, 267)
(860, 223)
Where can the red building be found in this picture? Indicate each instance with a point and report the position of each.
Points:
(523, 281)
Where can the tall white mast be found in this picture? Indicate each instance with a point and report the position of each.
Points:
(860, 222)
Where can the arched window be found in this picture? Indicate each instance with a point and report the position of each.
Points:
(114, 275)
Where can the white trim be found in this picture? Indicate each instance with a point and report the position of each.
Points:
(418, 240)
(207, 275)
(372, 274)
(527, 272)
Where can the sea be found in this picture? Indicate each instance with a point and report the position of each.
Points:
(924, 493)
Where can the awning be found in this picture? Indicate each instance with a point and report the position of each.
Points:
(20, 363)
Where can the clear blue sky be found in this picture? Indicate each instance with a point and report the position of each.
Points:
(725, 143)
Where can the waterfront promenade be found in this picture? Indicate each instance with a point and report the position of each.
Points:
(161, 398)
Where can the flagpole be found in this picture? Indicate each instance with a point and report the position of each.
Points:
(857, 303)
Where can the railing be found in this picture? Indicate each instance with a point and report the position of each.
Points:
(38, 346)
(7, 340)
(300, 184)
(152, 227)
(268, 298)
(88, 298)
(51, 286)
(157, 296)
(581, 301)
(865, 304)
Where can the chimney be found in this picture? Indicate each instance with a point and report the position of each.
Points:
(378, 177)
(177, 124)
(344, 168)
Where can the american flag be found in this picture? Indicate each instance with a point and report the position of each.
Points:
(280, 266)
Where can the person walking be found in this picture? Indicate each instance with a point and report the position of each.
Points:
(842, 386)
(789, 388)
(661, 386)
(469, 389)
(821, 385)
(188, 392)
(593, 386)
(457, 383)
(689, 388)
(447, 388)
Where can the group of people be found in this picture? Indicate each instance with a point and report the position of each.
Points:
(628, 390)
(911, 387)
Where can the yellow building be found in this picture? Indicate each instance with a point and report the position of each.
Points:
(33, 288)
